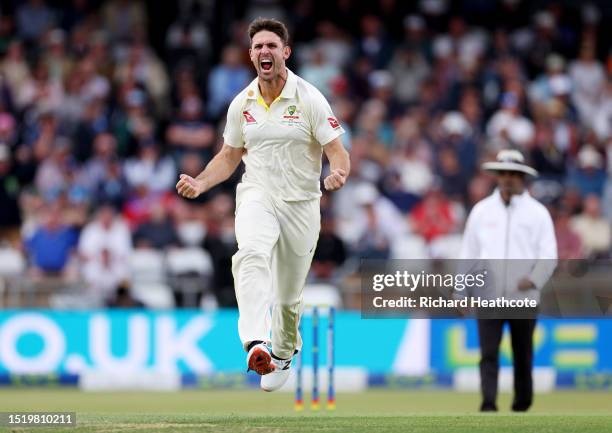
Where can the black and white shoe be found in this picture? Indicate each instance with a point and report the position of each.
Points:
(276, 379)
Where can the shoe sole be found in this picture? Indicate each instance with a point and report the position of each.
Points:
(261, 362)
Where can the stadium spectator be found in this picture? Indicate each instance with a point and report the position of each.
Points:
(74, 104)
(151, 168)
(226, 80)
(108, 232)
(320, 72)
(158, 233)
(15, 69)
(189, 38)
(434, 216)
(74, 13)
(124, 18)
(6, 32)
(10, 217)
(569, 245)
(412, 162)
(189, 133)
(53, 174)
(94, 171)
(113, 187)
(92, 122)
(144, 68)
(51, 246)
(543, 39)
(542, 89)
(131, 123)
(94, 84)
(456, 154)
(593, 229)
(409, 69)
(373, 43)
(55, 55)
(8, 128)
(123, 298)
(377, 223)
(189, 222)
(140, 202)
(330, 253)
(103, 274)
(34, 17)
(333, 43)
(588, 175)
(220, 242)
(602, 120)
(508, 126)
(42, 91)
(549, 160)
(588, 82)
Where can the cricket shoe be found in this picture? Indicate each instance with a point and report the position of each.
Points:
(276, 379)
(259, 359)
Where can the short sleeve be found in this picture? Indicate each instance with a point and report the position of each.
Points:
(325, 126)
(232, 135)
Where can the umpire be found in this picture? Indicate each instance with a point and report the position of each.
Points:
(510, 224)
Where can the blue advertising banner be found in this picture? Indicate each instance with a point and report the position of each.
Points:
(567, 345)
(178, 341)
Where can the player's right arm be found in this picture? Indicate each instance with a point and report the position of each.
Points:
(218, 169)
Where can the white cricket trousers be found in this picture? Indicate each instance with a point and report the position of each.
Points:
(276, 242)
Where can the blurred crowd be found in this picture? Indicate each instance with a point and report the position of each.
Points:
(101, 107)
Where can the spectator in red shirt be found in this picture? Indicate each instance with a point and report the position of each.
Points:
(433, 216)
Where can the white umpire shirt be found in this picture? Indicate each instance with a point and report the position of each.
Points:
(518, 239)
(283, 141)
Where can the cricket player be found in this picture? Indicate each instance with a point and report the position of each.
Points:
(513, 227)
(279, 126)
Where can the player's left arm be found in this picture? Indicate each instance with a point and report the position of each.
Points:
(339, 162)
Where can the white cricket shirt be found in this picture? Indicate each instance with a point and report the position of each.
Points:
(521, 235)
(284, 141)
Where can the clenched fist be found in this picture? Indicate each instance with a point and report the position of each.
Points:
(335, 180)
(189, 187)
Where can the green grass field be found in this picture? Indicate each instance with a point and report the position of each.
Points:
(254, 411)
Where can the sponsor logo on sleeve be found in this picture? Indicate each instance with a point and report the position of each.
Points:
(333, 122)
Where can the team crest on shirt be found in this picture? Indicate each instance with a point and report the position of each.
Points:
(249, 118)
(291, 116)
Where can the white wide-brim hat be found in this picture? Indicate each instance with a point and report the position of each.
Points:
(510, 160)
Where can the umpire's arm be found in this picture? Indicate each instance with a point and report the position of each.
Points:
(546, 251)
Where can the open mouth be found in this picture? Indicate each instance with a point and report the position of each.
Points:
(266, 64)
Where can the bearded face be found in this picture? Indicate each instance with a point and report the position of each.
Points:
(268, 54)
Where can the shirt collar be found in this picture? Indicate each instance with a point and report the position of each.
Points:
(288, 91)
(290, 85)
(253, 90)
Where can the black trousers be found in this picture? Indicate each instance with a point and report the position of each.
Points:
(490, 334)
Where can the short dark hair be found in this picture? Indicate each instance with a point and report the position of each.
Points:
(271, 25)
